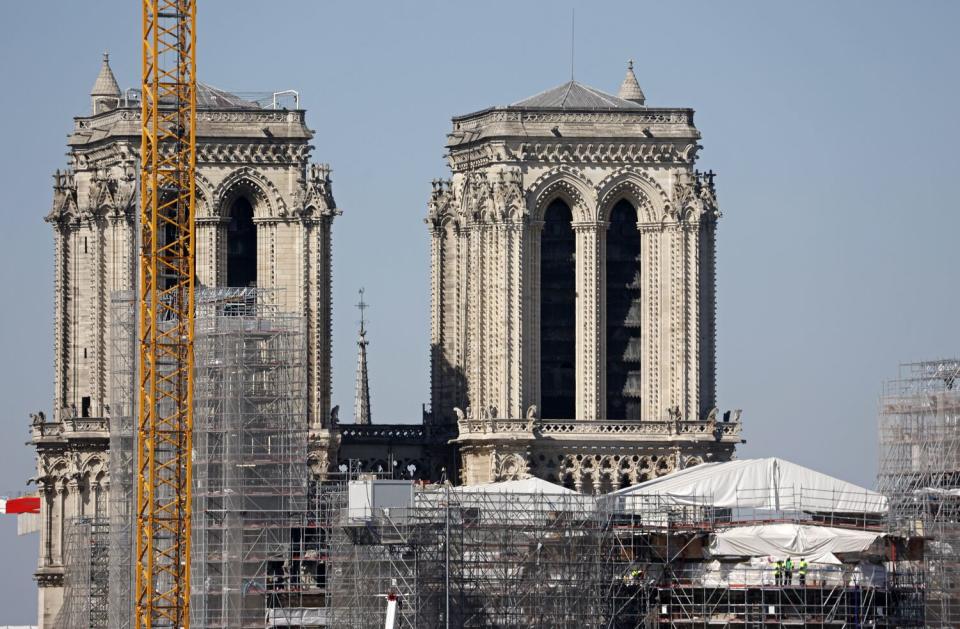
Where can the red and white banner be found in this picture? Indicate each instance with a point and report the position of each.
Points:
(24, 504)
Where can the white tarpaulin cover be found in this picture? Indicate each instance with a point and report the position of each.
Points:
(530, 485)
(528, 497)
(815, 543)
(769, 483)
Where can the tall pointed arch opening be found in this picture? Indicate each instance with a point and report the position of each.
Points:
(241, 244)
(558, 313)
(623, 324)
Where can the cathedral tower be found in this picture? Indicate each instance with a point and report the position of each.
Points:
(573, 290)
(264, 216)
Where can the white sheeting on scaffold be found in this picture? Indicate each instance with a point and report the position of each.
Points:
(530, 485)
(771, 483)
(527, 496)
(815, 543)
(761, 571)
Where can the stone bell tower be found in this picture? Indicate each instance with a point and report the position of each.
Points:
(264, 214)
(573, 291)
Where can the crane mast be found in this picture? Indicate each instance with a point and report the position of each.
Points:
(166, 314)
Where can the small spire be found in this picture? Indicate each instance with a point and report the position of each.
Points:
(630, 88)
(106, 92)
(361, 401)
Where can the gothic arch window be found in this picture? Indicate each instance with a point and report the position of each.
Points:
(623, 313)
(557, 313)
(241, 244)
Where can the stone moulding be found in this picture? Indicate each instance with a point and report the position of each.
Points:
(551, 429)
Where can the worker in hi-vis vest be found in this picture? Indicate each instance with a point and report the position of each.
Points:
(788, 571)
(778, 571)
(803, 571)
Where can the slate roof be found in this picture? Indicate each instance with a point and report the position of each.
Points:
(106, 84)
(209, 97)
(574, 95)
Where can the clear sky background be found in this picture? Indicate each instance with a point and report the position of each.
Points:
(833, 127)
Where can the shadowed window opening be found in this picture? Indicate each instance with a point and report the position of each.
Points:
(241, 245)
(557, 313)
(623, 314)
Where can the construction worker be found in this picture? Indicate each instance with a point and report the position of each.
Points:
(788, 571)
(803, 571)
(778, 571)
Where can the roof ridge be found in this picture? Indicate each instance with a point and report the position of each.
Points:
(566, 93)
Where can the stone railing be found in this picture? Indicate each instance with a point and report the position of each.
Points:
(132, 114)
(486, 426)
(382, 432)
(635, 116)
(612, 428)
(73, 426)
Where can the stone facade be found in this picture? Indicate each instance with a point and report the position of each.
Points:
(264, 216)
(573, 291)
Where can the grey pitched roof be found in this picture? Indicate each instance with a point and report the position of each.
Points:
(573, 95)
(106, 84)
(209, 97)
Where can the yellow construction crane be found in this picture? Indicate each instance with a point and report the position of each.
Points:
(165, 420)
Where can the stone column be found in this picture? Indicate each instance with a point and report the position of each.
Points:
(512, 390)
(59, 520)
(651, 409)
(438, 298)
(73, 487)
(691, 327)
(208, 245)
(532, 315)
(46, 524)
(60, 322)
(589, 320)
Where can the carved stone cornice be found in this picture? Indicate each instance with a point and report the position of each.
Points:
(256, 152)
(49, 577)
(648, 116)
(610, 153)
(638, 152)
(132, 114)
(72, 429)
(486, 429)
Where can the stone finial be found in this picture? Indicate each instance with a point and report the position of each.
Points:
(105, 94)
(630, 88)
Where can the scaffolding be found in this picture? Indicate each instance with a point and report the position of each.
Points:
(86, 574)
(455, 558)
(920, 473)
(250, 462)
(121, 514)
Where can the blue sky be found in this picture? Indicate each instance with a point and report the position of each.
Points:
(832, 127)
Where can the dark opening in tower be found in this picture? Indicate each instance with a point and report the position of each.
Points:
(557, 313)
(241, 245)
(623, 313)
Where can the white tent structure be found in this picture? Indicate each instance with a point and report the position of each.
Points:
(527, 498)
(531, 485)
(769, 484)
(815, 543)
